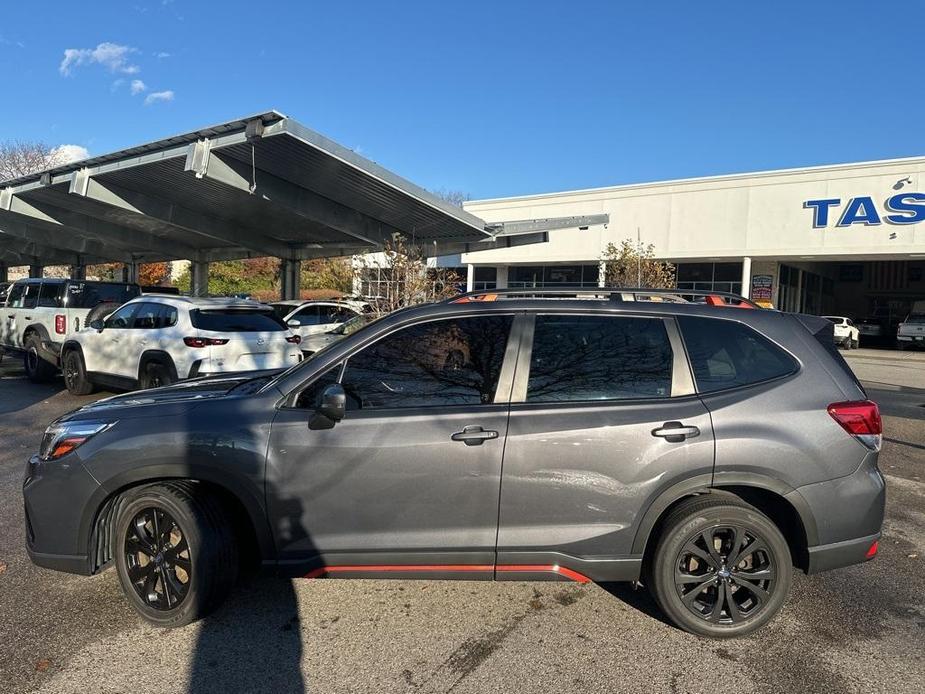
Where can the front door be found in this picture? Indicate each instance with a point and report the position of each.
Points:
(607, 419)
(112, 351)
(409, 480)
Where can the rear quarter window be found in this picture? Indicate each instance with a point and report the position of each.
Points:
(727, 354)
(236, 320)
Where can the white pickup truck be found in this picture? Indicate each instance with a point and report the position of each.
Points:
(39, 314)
(911, 332)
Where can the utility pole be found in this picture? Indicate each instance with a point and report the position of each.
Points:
(638, 259)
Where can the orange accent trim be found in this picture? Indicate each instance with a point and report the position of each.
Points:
(411, 568)
(544, 568)
(480, 297)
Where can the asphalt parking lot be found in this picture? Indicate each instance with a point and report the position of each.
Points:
(860, 629)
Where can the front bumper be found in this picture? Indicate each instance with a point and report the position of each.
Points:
(55, 496)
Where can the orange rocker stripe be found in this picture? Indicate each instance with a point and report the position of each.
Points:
(384, 568)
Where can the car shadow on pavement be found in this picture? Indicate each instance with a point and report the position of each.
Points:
(252, 644)
(638, 598)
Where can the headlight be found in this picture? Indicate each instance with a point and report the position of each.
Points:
(61, 439)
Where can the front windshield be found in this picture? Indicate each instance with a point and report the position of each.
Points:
(369, 319)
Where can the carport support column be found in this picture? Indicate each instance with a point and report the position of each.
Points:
(36, 271)
(130, 273)
(747, 277)
(78, 272)
(470, 277)
(290, 275)
(199, 278)
(4, 272)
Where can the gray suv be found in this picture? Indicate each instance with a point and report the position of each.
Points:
(702, 448)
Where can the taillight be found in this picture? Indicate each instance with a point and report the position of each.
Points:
(861, 419)
(294, 339)
(203, 341)
(60, 324)
(872, 552)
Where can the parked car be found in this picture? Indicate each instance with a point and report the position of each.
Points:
(871, 330)
(157, 340)
(315, 317)
(41, 314)
(911, 332)
(704, 450)
(846, 333)
(317, 342)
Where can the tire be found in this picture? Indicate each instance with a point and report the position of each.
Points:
(37, 369)
(75, 374)
(746, 604)
(855, 343)
(155, 374)
(193, 566)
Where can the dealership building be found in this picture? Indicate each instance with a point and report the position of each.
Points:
(847, 239)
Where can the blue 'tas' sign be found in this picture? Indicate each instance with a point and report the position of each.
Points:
(905, 208)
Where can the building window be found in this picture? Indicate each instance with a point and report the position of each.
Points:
(710, 277)
(552, 276)
(485, 278)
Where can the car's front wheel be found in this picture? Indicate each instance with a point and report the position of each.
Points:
(175, 552)
(721, 568)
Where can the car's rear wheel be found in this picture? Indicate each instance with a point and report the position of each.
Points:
(175, 552)
(37, 369)
(75, 374)
(154, 375)
(721, 568)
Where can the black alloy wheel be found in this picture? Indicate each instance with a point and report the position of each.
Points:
(725, 574)
(158, 560)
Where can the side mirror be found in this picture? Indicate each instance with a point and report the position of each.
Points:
(293, 323)
(97, 324)
(332, 408)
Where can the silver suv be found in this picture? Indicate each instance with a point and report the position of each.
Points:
(704, 449)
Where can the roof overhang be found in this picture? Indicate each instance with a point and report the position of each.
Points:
(258, 186)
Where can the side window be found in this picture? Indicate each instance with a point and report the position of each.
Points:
(435, 364)
(14, 299)
(307, 316)
(122, 318)
(30, 295)
(310, 398)
(50, 294)
(593, 358)
(147, 317)
(167, 316)
(727, 354)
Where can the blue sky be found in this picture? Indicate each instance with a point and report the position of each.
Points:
(491, 98)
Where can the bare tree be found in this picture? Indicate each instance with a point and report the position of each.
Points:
(454, 197)
(21, 158)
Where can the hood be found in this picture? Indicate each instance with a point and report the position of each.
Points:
(183, 393)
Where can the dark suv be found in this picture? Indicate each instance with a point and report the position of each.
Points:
(593, 435)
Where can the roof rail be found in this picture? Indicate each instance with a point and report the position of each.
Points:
(677, 296)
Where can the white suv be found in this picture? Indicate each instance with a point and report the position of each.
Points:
(156, 340)
(308, 318)
(847, 334)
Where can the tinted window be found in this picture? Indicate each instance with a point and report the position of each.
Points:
(14, 299)
(122, 318)
(311, 397)
(50, 294)
(30, 295)
(727, 354)
(579, 358)
(440, 363)
(236, 320)
(307, 316)
(335, 314)
(167, 317)
(89, 294)
(147, 317)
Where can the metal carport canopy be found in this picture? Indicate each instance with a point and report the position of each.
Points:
(259, 186)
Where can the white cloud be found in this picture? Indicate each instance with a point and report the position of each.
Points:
(155, 97)
(111, 56)
(137, 87)
(66, 154)
(162, 55)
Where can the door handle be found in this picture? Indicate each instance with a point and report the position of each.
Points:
(675, 432)
(474, 435)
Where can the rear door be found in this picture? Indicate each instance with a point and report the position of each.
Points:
(603, 419)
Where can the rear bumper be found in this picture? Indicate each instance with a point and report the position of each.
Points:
(839, 554)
